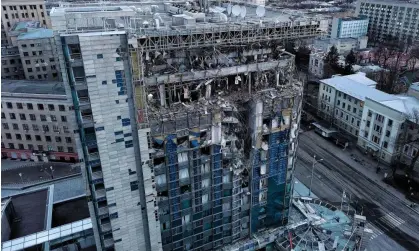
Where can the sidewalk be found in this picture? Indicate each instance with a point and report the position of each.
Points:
(362, 164)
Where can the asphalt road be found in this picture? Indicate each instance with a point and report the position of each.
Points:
(395, 226)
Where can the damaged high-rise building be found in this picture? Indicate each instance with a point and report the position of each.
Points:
(188, 119)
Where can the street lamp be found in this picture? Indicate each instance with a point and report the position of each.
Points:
(312, 171)
(52, 172)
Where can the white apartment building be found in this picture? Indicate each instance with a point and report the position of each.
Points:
(395, 18)
(383, 125)
(14, 11)
(376, 118)
(349, 27)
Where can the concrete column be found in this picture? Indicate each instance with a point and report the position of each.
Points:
(162, 95)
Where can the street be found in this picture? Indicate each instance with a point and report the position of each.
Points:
(395, 225)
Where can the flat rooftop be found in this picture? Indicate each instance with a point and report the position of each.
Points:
(69, 211)
(30, 213)
(35, 172)
(32, 87)
(36, 34)
(25, 26)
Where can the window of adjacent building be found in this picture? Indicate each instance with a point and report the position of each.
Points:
(390, 122)
(44, 68)
(25, 127)
(343, 105)
(22, 116)
(30, 146)
(369, 113)
(375, 139)
(48, 138)
(53, 118)
(11, 146)
(63, 118)
(388, 133)
(32, 117)
(28, 137)
(9, 105)
(21, 147)
(51, 60)
(43, 117)
(40, 107)
(45, 128)
(51, 107)
(349, 107)
(6, 16)
(29, 106)
(54, 74)
(32, 45)
(60, 148)
(354, 110)
(70, 149)
(34, 53)
(35, 127)
(38, 69)
(25, 54)
(67, 139)
(18, 136)
(33, 14)
(61, 108)
(65, 129)
(414, 152)
(5, 126)
(8, 136)
(385, 144)
(40, 147)
(12, 116)
(366, 134)
(57, 139)
(99, 56)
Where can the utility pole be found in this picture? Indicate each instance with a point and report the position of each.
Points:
(312, 172)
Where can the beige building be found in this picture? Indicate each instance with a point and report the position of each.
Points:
(38, 121)
(14, 11)
(31, 54)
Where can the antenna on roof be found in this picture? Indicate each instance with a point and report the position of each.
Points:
(236, 10)
(243, 11)
(260, 11)
(229, 7)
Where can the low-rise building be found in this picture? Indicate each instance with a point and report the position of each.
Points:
(18, 11)
(378, 120)
(11, 64)
(38, 55)
(37, 121)
(322, 46)
(33, 48)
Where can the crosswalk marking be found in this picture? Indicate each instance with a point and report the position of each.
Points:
(390, 219)
(375, 231)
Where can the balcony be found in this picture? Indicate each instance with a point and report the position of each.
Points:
(90, 140)
(97, 177)
(87, 120)
(100, 193)
(103, 211)
(106, 227)
(80, 83)
(108, 243)
(84, 101)
(94, 156)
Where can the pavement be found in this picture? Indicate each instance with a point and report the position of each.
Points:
(395, 225)
(17, 172)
